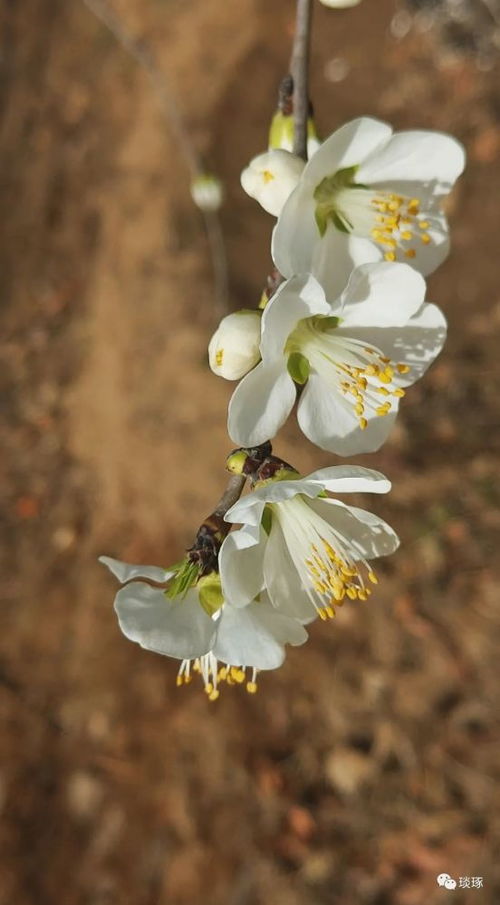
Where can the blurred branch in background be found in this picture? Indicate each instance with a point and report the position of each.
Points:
(143, 56)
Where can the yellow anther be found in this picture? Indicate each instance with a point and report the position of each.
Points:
(424, 224)
(372, 370)
(399, 393)
(407, 235)
(372, 577)
(351, 593)
(385, 377)
(219, 357)
(403, 369)
(179, 681)
(382, 391)
(362, 382)
(267, 176)
(426, 239)
(383, 409)
(359, 408)
(251, 687)
(214, 695)
(321, 613)
(222, 674)
(363, 423)
(209, 688)
(362, 595)
(330, 612)
(390, 256)
(414, 206)
(410, 253)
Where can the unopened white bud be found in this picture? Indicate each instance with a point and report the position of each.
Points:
(207, 192)
(270, 178)
(339, 4)
(234, 348)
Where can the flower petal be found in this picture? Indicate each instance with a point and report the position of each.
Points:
(255, 636)
(366, 534)
(241, 561)
(383, 294)
(248, 511)
(283, 581)
(177, 628)
(349, 146)
(350, 479)
(415, 157)
(331, 423)
(297, 298)
(260, 404)
(416, 344)
(124, 571)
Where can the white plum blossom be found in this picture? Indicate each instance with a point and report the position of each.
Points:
(202, 632)
(353, 356)
(368, 194)
(271, 177)
(310, 551)
(234, 348)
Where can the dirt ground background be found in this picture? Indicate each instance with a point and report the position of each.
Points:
(369, 763)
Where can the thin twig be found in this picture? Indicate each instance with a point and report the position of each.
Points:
(300, 73)
(231, 494)
(145, 60)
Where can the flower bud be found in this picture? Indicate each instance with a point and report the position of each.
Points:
(234, 348)
(271, 177)
(207, 192)
(339, 4)
(281, 133)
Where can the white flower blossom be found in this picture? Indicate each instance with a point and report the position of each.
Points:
(353, 356)
(234, 348)
(202, 637)
(368, 195)
(271, 177)
(309, 550)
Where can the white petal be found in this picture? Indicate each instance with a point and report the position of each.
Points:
(260, 404)
(350, 479)
(297, 247)
(412, 157)
(416, 344)
(368, 534)
(248, 511)
(271, 177)
(384, 294)
(331, 423)
(123, 571)
(255, 636)
(340, 4)
(241, 560)
(177, 628)
(297, 298)
(283, 581)
(296, 233)
(349, 146)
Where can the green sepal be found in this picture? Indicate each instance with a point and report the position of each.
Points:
(267, 519)
(329, 322)
(298, 367)
(210, 593)
(185, 577)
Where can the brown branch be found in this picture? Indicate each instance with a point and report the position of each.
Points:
(299, 67)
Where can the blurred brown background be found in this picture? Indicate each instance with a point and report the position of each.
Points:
(368, 764)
